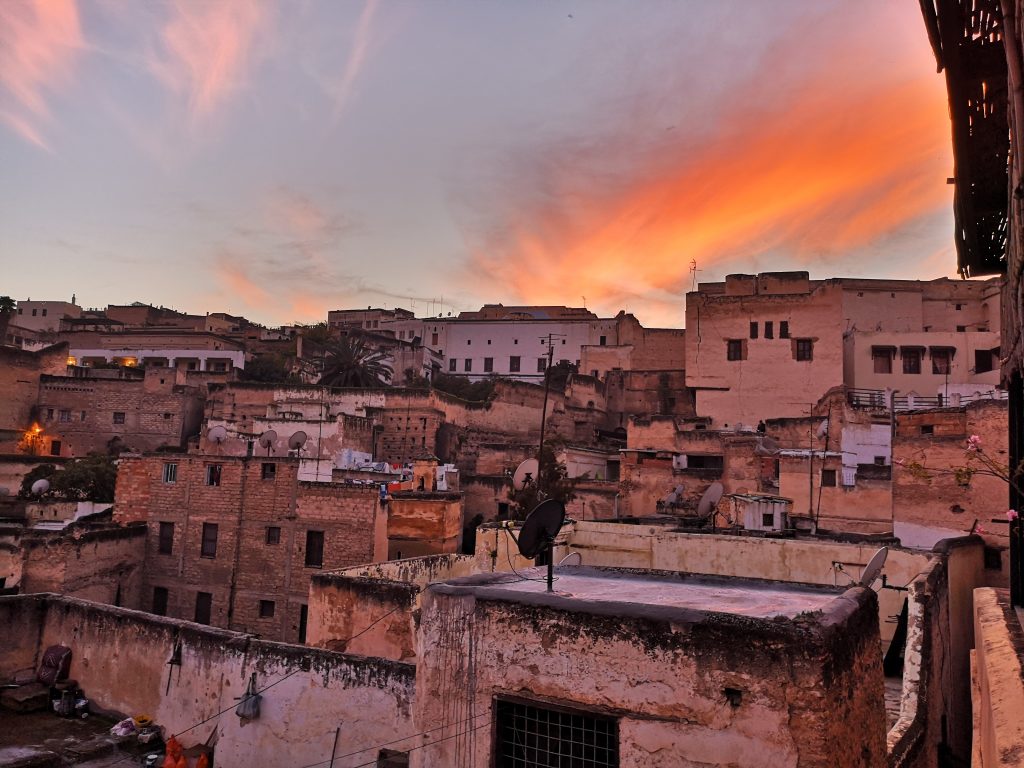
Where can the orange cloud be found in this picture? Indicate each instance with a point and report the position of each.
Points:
(239, 285)
(39, 43)
(207, 50)
(831, 164)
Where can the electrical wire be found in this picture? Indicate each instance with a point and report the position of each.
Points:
(508, 556)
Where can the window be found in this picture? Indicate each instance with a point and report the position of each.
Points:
(64, 415)
(993, 559)
(828, 478)
(804, 350)
(961, 328)
(704, 461)
(213, 474)
(927, 429)
(767, 520)
(734, 349)
(267, 609)
(170, 472)
(34, 312)
(542, 364)
(273, 534)
(488, 364)
(167, 416)
(314, 549)
(513, 364)
(784, 329)
(268, 470)
(469, 342)
(604, 340)
(753, 330)
(209, 545)
(55, 446)
(469, 365)
(165, 545)
(881, 359)
(769, 329)
(119, 417)
(940, 362)
(515, 341)
(83, 415)
(911, 361)
(49, 414)
(433, 339)
(982, 362)
(527, 734)
(452, 365)
(44, 312)
(959, 307)
(303, 620)
(879, 461)
(160, 601)
(204, 604)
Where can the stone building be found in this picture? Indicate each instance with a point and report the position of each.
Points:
(20, 373)
(233, 541)
(45, 315)
(113, 411)
(156, 347)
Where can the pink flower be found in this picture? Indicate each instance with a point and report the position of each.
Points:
(1011, 515)
(974, 443)
(978, 529)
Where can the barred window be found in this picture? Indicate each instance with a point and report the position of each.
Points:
(530, 735)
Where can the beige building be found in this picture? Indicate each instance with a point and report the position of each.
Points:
(770, 345)
(44, 315)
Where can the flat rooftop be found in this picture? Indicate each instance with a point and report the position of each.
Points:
(583, 588)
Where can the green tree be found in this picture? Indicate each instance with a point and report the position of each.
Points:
(559, 373)
(271, 368)
(38, 472)
(319, 333)
(350, 363)
(7, 309)
(462, 387)
(92, 478)
(554, 484)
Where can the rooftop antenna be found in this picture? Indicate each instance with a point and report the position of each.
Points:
(874, 568)
(525, 474)
(267, 440)
(296, 441)
(216, 434)
(693, 274)
(709, 501)
(537, 536)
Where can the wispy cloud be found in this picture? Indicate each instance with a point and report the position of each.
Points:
(206, 49)
(356, 56)
(40, 41)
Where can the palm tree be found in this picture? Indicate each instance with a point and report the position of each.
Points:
(349, 363)
(7, 307)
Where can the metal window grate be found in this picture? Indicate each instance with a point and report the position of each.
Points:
(529, 736)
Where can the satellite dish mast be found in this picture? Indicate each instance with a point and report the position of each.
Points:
(267, 440)
(296, 441)
(709, 501)
(525, 474)
(873, 568)
(538, 533)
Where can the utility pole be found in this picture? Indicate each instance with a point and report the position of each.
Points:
(550, 341)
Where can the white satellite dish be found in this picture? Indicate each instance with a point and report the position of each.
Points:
(267, 439)
(710, 499)
(822, 429)
(525, 474)
(216, 434)
(40, 487)
(4, 491)
(873, 568)
(296, 441)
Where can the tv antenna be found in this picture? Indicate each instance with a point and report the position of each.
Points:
(267, 440)
(537, 536)
(693, 274)
(525, 474)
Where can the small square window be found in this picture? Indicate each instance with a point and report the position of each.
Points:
(64, 415)
(488, 364)
(165, 543)
(453, 365)
(927, 429)
(167, 417)
(83, 416)
(604, 340)
(767, 520)
(783, 329)
(268, 470)
(959, 307)
(911, 361)
(828, 478)
(513, 364)
(170, 473)
(273, 534)
(753, 330)
(267, 609)
(542, 364)
(213, 472)
(804, 350)
(941, 364)
(993, 559)
(879, 461)
(55, 446)
(119, 417)
(961, 329)
(734, 349)
(881, 360)
(769, 329)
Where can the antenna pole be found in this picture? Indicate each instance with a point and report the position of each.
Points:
(551, 567)
(550, 339)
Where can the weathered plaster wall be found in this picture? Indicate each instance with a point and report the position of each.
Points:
(998, 682)
(662, 675)
(424, 523)
(120, 660)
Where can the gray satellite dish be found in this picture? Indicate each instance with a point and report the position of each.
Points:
(4, 491)
(525, 473)
(40, 487)
(873, 568)
(216, 434)
(710, 499)
(267, 440)
(822, 429)
(296, 441)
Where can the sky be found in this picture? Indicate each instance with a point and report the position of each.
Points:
(281, 159)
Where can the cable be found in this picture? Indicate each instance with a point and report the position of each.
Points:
(428, 744)
(508, 556)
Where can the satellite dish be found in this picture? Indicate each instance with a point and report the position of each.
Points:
(268, 438)
(873, 568)
(216, 434)
(4, 491)
(540, 528)
(296, 441)
(710, 499)
(573, 558)
(525, 474)
(822, 429)
(40, 487)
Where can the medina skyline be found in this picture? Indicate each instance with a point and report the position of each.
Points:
(277, 160)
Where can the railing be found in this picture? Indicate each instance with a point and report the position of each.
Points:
(880, 399)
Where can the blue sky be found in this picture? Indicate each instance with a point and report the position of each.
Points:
(279, 159)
